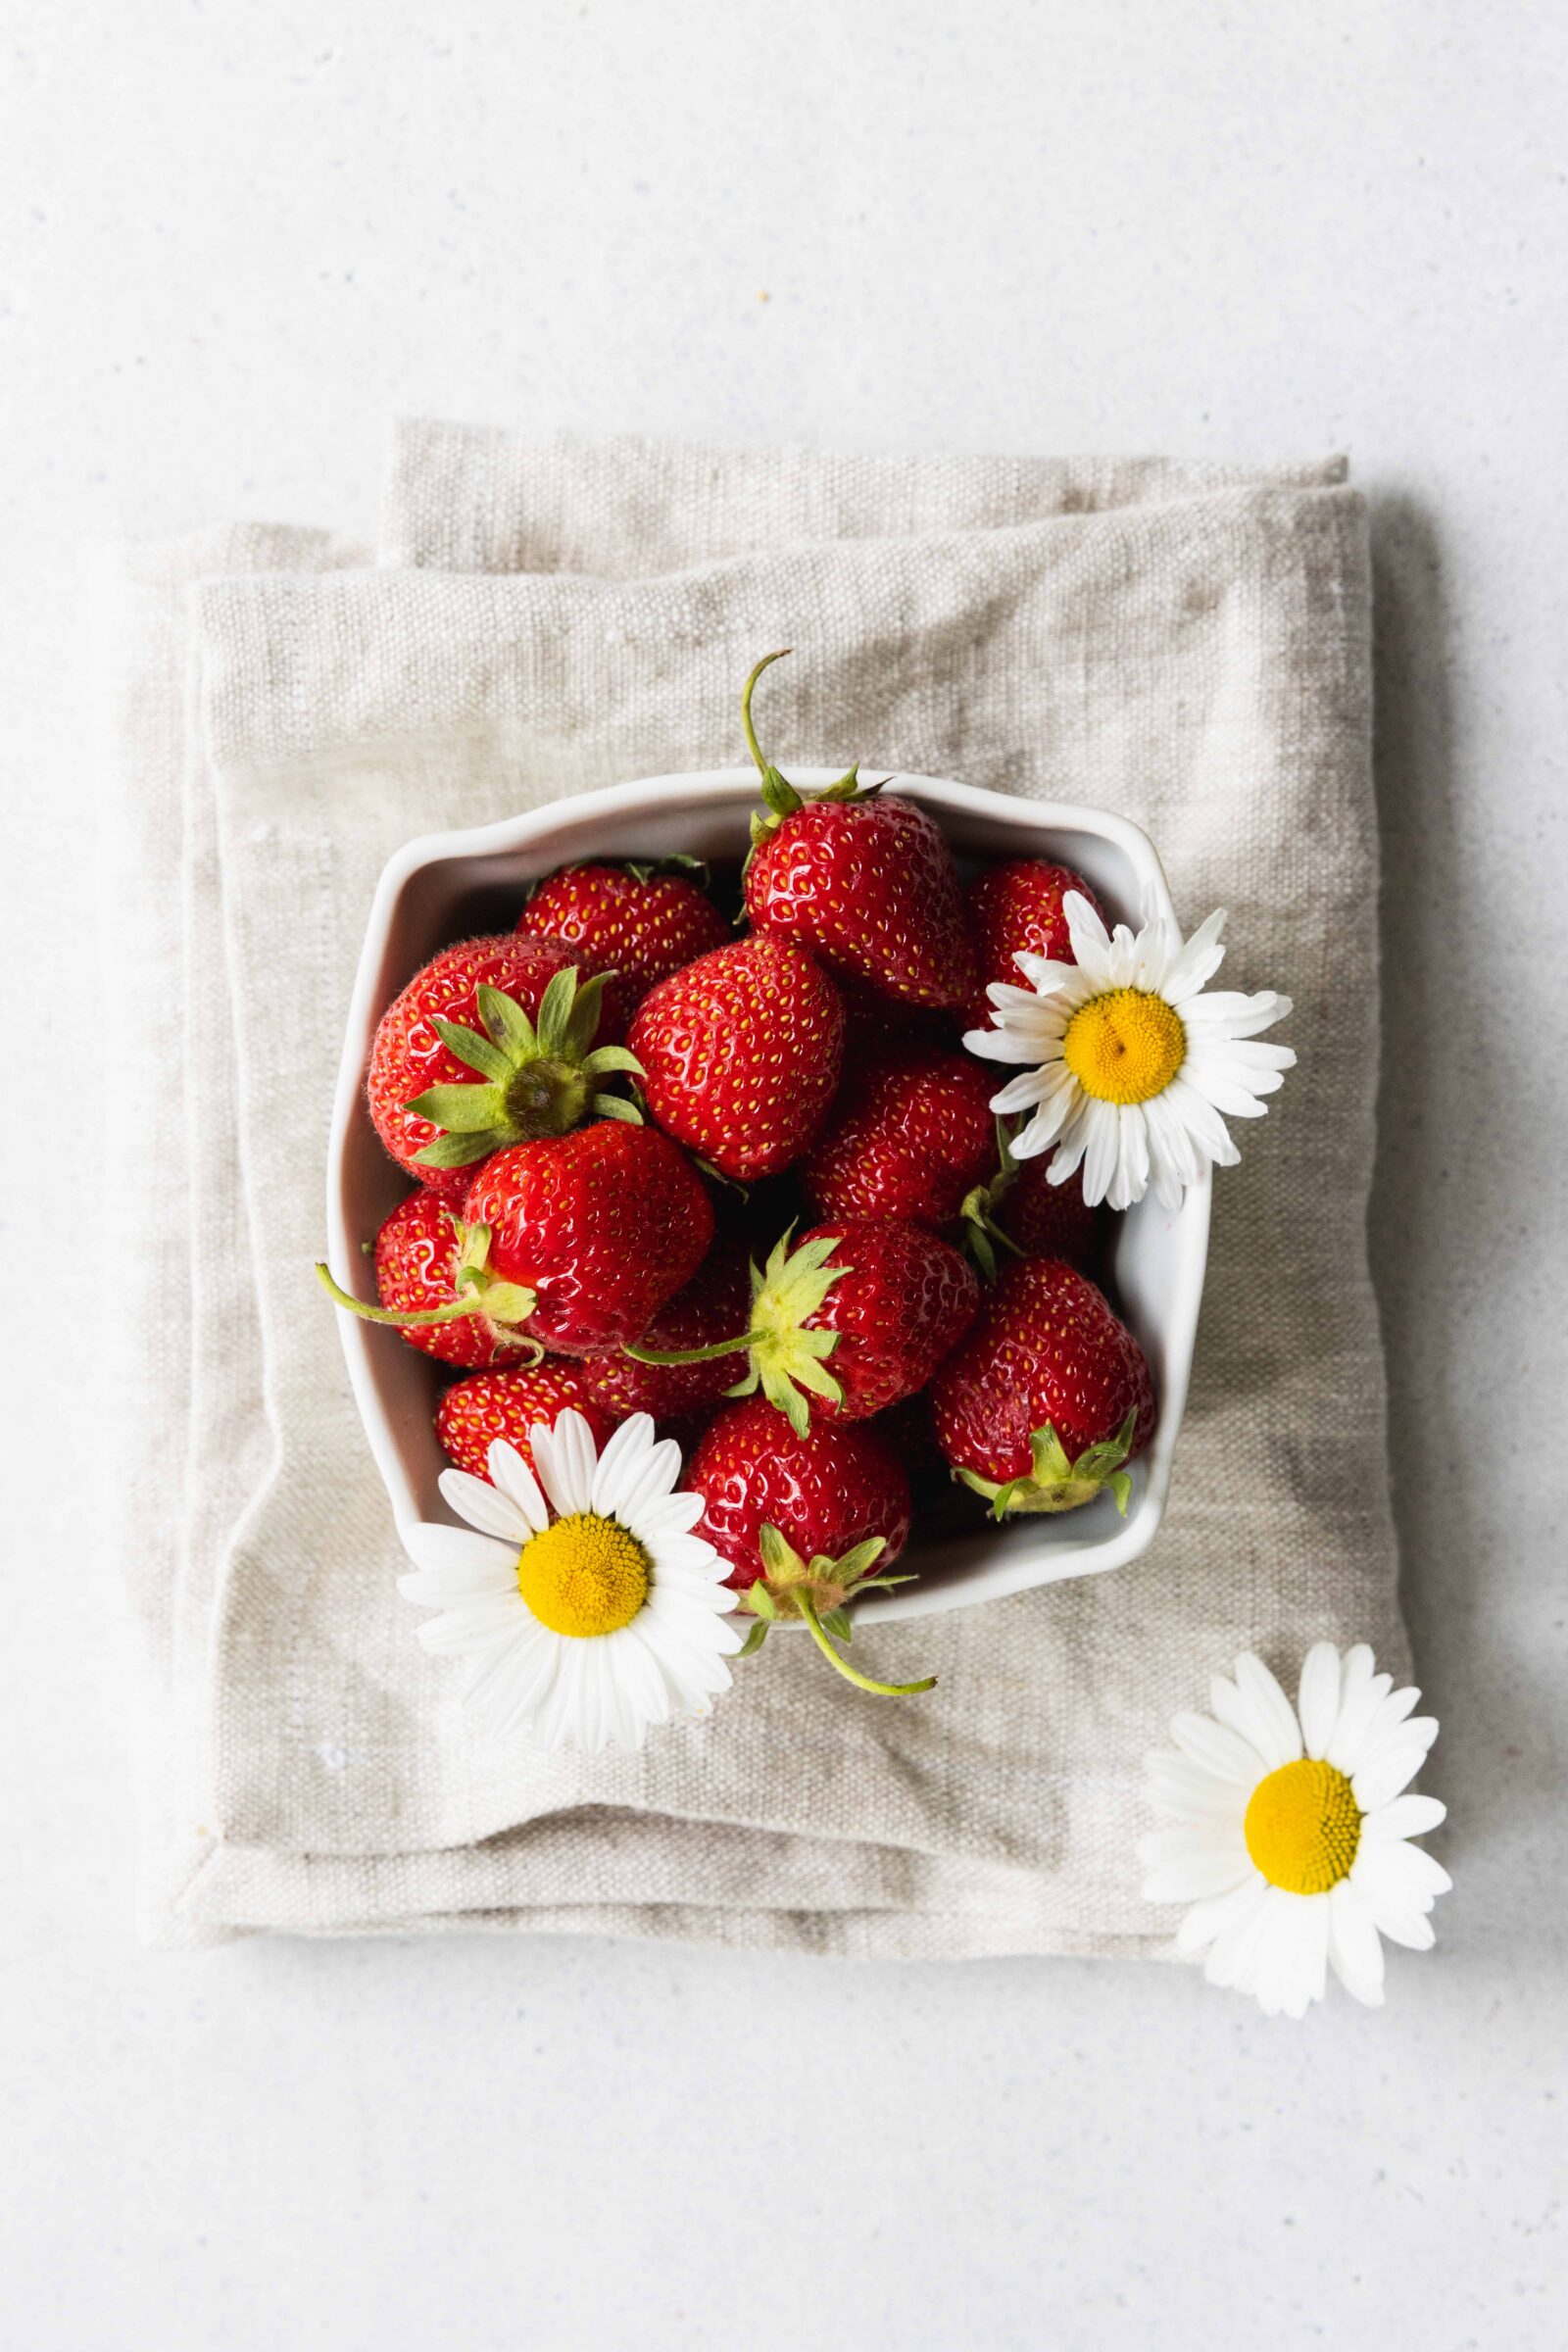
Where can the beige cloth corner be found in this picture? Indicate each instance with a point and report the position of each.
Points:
(1189, 646)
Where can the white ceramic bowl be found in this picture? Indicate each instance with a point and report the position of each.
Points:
(453, 885)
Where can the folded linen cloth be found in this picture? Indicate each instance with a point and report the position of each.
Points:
(1189, 645)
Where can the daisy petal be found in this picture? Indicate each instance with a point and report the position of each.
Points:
(478, 1625)
(437, 1550)
(1188, 1878)
(1406, 1817)
(1202, 1121)
(1392, 1725)
(1182, 1790)
(1206, 1920)
(648, 1483)
(1130, 1178)
(1220, 1750)
(1318, 1701)
(565, 1460)
(1355, 1954)
(1103, 1136)
(1019, 1094)
(1270, 1710)
(1407, 1874)
(1378, 1784)
(515, 1479)
(1231, 1955)
(484, 1506)
(1091, 944)
(1197, 961)
(625, 1455)
(1291, 1949)
(668, 1515)
(1361, 1691)
(988, 1045)
(461, 1581)
(1412, 1929)
(505, 1706)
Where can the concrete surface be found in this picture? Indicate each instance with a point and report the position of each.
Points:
(233, 240)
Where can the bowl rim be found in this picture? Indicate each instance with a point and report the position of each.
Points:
(1026, 1568)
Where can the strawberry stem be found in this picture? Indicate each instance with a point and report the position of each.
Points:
(807, 1610)
(763, 767)
(693, 1355)
(402, 1320)
(503, 1305)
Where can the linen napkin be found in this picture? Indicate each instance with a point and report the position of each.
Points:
(1189, 645)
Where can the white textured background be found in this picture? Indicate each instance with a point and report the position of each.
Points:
(233, 240)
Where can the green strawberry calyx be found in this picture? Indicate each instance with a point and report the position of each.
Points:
(535, 1077)
(817, 1592)
(782, 798)
(982, 1236)
(785, 1358)
(504, 1306)
(1052, 1482)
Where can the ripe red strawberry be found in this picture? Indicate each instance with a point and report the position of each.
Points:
(1050, 1397)
(910, 1135)
(643, 922)
(713, 1307)
(1050, 1220)
(872, 1023)
(415, 1269)
(867, 884)
(857, 1314)
(907, 1431)
(491, 1043)
(1023, 1214)
(740, 1055)
(473, 1413)
(1017, 908)
(802, 1520)
(574, 1242)
(825, 1492)
(604, 1226)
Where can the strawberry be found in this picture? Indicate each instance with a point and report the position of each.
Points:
(415, 1269)
(713, 1306)
(826, 1491)
(443, 1094)
(1015, 907)
(910, 1135)
(473, 1413)
(884, 1300)
(906, 1430)
(873, 1022)
(572, 1242)
(605, 1226)
(641, 921)
(740, 1055)
(867, 884)
(802, 1520)
(1023, 1212)
(1050, 1220)
(1050, 1397)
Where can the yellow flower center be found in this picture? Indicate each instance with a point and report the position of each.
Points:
(1125, 1045)
(1302, 1827)
(584, 1574)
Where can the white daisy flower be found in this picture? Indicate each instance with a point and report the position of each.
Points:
(583, 1607)
(1291, 1829)
(1133, 1062)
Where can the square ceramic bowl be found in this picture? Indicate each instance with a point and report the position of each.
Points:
(452, 885)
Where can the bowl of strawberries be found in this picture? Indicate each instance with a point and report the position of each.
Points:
(656, 1100)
